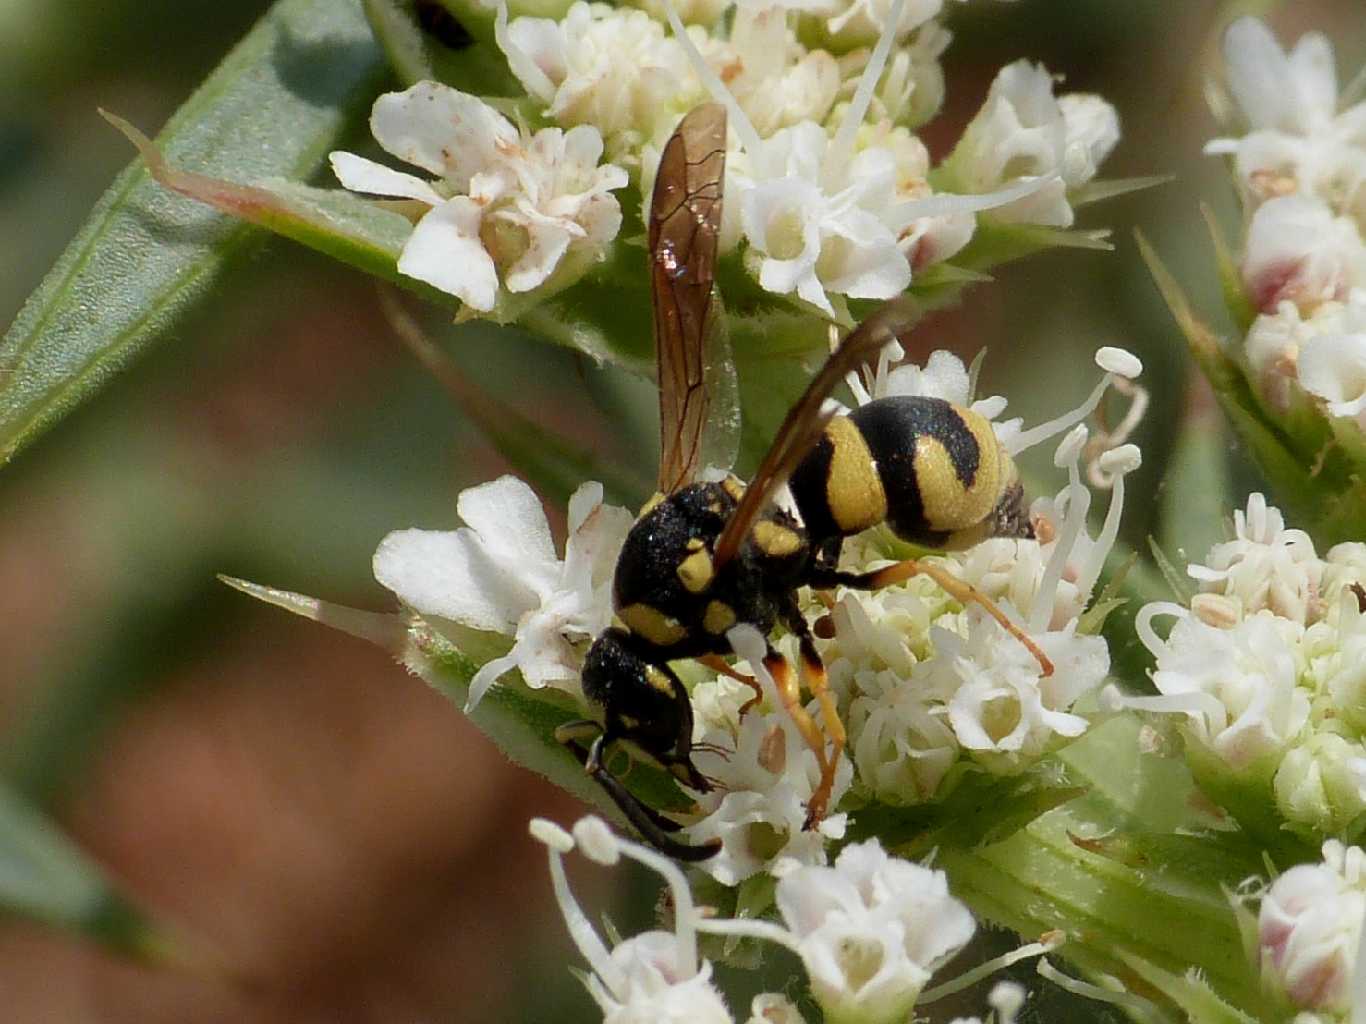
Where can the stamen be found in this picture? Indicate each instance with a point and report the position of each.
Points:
(976, 974)
(841, 149)
(739, 120)
(1078, 503)
(597, 841)
(1135, 1005)
(1118, 464)
(580, 928)
(1193, 702)
(1116, 362)
(1143, 624)
(1113, 439)
(953, 202)
(742, 928)
(686, 917)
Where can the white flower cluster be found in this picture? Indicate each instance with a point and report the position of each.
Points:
(870, 931)
(827, 188)
(928, 687)
(1309, 935)
(1267, 669)
(1301, 171)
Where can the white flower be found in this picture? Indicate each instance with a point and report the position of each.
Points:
(861, 22)
(504, 204)
(809, 234)
(1332, 363)
(776, 80)
(1337, 649)
(1235, 686)
(1344, 565)
(1299, 140)
(765, 775)
(610, 67)
(901, 743)
(1321, 783)
(652, 978)
(1309, 929)
(772, 1008)
(1002, 710)
(871, 930)
(1297, 249)
(1265, 566)
(500, 573)
(1024, 132)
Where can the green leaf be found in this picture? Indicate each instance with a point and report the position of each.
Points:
(1313, 477)
(994, 242)
(45, 878)
(274, 107)
(1197, 491)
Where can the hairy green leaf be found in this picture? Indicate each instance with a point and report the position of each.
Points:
(273, 108)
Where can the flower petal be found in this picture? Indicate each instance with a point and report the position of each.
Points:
(511, 524)
(441, 130)
(447, 573)
(361, 175)
(445, 251)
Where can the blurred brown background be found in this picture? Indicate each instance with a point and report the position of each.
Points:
(332, 829)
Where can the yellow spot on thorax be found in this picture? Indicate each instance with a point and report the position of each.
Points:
(652, 624)
(776, 540)
(853, 488)
(719, 617)
(651, 504)
(696, 571)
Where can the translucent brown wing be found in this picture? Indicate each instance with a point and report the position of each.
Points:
(685, 220)
(805, 421)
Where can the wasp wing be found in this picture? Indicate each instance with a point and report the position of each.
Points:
(685, 220)
(805, 421)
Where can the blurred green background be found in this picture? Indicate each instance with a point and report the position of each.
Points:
(334, 832)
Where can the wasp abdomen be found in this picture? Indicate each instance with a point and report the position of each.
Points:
(929, 468)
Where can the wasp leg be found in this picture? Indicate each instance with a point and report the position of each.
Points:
(816, 680)
(789, 692)
(963, 593)
(652, 825)
(717, 664)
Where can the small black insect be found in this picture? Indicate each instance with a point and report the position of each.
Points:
(705, 556)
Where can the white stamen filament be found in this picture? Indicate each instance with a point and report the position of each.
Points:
(1102, 443)
(1037, 435)
(840, 150)
(1078, 503)
(1135, 1005)
(1143, 624)
(580, 928)
(685, 914)
(739, 120)
(982, 970)
(749, 929)
(951, 202)
(1192, 702)
(1100, 550)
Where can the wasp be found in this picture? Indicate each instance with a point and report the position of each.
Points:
(704, 556)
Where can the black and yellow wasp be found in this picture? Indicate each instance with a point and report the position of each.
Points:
(704, 556)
